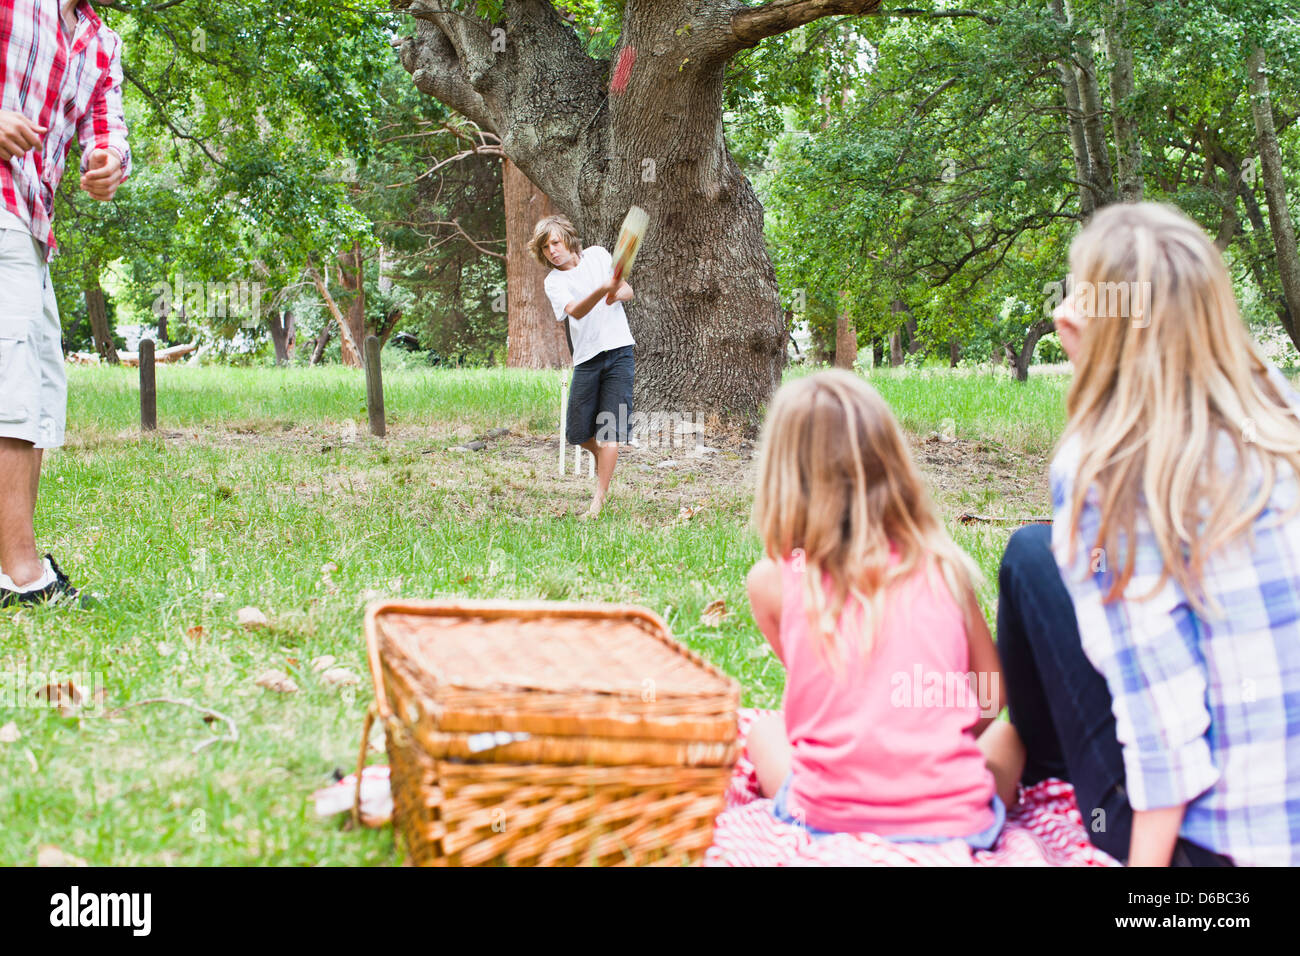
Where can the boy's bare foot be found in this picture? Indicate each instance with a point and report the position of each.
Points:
(596, 504)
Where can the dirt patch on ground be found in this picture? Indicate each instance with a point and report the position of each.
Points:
(984, 478)
(967, 476)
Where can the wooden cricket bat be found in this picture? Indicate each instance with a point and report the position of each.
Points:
(629, 241)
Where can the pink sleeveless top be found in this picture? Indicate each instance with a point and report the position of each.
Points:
(883, 747)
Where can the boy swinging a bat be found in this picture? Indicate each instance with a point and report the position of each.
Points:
(587, 291)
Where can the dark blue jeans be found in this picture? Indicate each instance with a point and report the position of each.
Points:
(1060, 704)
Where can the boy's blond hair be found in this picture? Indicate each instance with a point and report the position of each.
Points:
(542, 235)
(836, 479)
(1155, 393)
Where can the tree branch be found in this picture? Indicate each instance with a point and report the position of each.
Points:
(333, 306)
(208, 712)
(431, 60)
(941, 14)
(469, 36)
(750, 25)
(463, 154)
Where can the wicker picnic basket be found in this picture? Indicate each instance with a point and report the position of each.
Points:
(547, 734)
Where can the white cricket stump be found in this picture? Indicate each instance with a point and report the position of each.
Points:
(578, 452)
(564, 413)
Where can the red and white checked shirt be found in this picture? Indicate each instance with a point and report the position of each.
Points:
(71, 88)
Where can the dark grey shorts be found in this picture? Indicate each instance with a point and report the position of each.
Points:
(600, 398)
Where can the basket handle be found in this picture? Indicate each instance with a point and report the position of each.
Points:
(361, 763)
(376, 667)
(379, 706)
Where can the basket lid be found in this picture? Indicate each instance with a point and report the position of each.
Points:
(548, 658)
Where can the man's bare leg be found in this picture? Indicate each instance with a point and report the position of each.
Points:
(20, 476)
(606, 458)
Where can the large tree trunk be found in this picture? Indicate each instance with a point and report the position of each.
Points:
(707, 316)
(913, 340)
(846, 339)
(1128, 148)
(895, 348)
(1074, 121)
(283, 335)
(322, 340)
(896, 337)
(1258, 242)
(1026, 354)
(97, 309)
(385, 331)
(1084, 109)
(350, 343)
(1272, 174)
(1259, 236)
(1094, 124)
(352, 275)
(534, 339)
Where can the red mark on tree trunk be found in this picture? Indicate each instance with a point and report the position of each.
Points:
(623, 69)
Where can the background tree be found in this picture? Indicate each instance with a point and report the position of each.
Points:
(707, 318)
(944, 189)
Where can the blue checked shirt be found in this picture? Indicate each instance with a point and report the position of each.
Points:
(1207, 711)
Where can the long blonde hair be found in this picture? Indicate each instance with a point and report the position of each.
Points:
(836, 480)
(1157, 389)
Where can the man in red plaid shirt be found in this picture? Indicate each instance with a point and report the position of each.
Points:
(61, 76)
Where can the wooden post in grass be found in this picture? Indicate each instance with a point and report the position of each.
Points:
(374, 388)
(148, 388)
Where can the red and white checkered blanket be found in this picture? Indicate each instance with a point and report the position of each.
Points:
(1044, 829)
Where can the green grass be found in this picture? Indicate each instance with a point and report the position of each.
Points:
(256, 480)
(109, 397)
(1029, 416)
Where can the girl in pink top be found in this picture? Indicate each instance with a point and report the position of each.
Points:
(891, 673)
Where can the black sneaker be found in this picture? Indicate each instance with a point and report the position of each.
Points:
(59, 591)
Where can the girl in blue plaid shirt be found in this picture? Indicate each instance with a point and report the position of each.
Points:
(1151, 640)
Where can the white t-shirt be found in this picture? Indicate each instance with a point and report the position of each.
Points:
(605, 326)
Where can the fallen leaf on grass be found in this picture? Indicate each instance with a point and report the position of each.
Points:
(326, 579)
(339, 677)
(686, 514)
(53, 856)
(67, 696)
(250, 618)
(196, 633)
(714, 613)
(9, 733)
(277, 681)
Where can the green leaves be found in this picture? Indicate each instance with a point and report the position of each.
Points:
(940, 175)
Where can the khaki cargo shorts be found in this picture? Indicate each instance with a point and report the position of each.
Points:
(33, 382)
